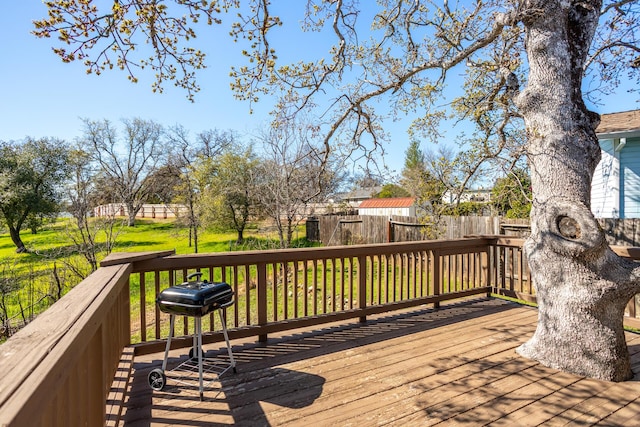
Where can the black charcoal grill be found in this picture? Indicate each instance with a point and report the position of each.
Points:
(194, 298)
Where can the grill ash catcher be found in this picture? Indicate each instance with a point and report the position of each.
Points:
(194, 298)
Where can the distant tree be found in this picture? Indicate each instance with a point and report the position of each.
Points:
(30, 175)
(413, 173)
(444, 174)
(81, 190)
(92, 237)
(212, 143)
(126, 163)
(438, 176)
(392, 190)
(366, 179)
(184, 175)
(427, 176)
(511, 195)
(231, 197)
(292, 173)
(166, 183)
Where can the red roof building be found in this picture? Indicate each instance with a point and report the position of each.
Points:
(400, 206)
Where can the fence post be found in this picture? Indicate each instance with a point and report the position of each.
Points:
(261, 289)
(362, 285)
(312, 227)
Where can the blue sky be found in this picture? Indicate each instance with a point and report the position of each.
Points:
(42, 97)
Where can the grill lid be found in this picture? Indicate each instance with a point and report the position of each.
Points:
(195, 298)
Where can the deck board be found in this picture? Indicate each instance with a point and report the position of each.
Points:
(452, 366)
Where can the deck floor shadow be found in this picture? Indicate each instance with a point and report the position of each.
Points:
(453, 366)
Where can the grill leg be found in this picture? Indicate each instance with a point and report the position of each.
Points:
(198, 326)
(194, 346)
(226, 338)
(172, 321)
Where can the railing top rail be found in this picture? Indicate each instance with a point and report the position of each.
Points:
(303, 254)
(631, 252)
(117, 258)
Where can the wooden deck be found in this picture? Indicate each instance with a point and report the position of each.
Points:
(453, 366)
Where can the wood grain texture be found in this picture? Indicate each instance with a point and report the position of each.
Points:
(67, 348)
(452, 366)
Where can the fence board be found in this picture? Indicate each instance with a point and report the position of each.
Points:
(336, 230)
(354, 229)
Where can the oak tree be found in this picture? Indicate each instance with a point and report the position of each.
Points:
(230, 196)
(523, 63)
(31, 177)
(184, 173)
(290, 175)
(126, 162)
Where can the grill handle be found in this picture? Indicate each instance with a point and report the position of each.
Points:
(197, 274)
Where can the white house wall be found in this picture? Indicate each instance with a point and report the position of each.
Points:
(630, 178)
(605, 189)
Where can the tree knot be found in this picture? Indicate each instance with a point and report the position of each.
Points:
(568, 227)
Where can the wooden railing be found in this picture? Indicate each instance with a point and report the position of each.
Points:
(510, 276)
(60, 369)
(287, 289)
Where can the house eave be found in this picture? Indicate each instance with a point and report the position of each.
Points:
(618, 135)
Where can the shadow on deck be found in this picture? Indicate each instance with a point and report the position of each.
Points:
(456, 365)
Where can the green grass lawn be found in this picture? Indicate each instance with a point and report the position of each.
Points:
(27, 280)
(37, 283)
(147, 235)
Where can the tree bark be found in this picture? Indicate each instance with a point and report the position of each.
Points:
(14, 224)
(582, 287)
(194, 227)
(132, 212)
(14, 233)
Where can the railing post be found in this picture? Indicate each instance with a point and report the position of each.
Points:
(437, 276)
(143, 308)
(125, 313)
(261, 289)
(362, 285)
(485, 259)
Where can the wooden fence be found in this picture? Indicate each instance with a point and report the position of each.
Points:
(333, 230)
(623, 232)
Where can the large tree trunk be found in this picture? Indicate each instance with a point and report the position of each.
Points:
(582, 287)
(132, 211)
(16, 239)
(194, 227)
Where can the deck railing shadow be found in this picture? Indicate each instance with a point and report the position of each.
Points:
(519, 387)
(336, 338)
(260, 379)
